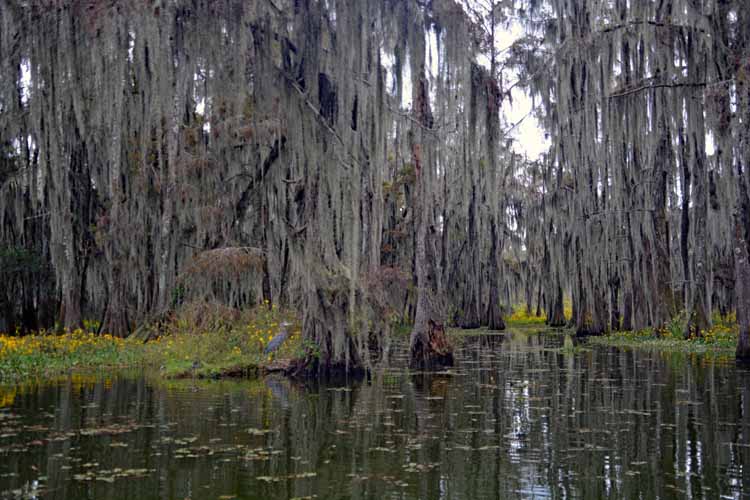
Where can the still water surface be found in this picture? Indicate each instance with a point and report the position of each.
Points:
(516, 418)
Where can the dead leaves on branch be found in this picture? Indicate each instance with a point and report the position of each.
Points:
(224, 263)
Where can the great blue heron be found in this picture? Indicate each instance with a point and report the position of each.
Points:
(278, 339)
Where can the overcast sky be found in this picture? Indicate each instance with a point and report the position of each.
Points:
(529, 135)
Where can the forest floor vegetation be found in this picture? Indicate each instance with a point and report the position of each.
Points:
(521, 318)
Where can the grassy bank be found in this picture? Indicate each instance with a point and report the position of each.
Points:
(720, 339)
(203, 340)
(209, 340)
(44, 355)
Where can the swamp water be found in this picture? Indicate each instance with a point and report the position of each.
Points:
(517, 417)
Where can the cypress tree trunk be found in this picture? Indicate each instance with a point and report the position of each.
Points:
(700, 313)
(742, 211)
(429, 345)
(556, 316)
(663, 297)
(615, 301)
(742, 243)
(742, 278)
(494, 314)
(539, 298)
(528, 291)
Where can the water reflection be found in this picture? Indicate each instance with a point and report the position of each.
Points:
(518, 417)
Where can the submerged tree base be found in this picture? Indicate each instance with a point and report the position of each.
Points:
(310, 367)
(496, 324)
(742, 353)
(558, 320)
(589, 332)
(433, 352)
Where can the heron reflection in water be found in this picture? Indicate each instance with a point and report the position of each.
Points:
(278, 339)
